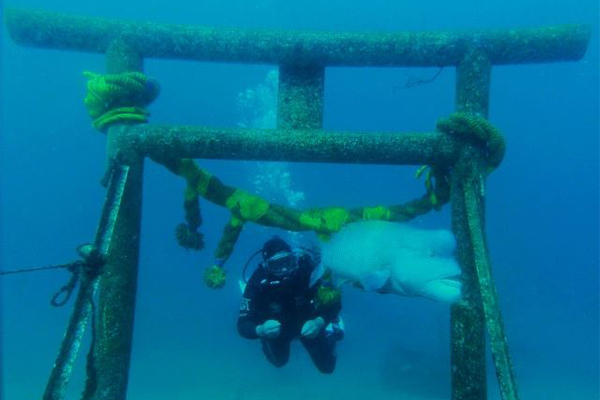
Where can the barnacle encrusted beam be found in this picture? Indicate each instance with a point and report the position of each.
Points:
(165, 142)
(184, 42)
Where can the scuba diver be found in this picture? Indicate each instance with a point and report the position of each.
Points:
(279, 304)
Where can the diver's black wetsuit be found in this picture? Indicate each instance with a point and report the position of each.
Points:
(291, 302)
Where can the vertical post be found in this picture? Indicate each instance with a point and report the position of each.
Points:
(480, 307)
(109, 371)
(300, 97)
(467, 318)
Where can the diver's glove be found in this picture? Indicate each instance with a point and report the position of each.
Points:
(313, 327)
(270, 329)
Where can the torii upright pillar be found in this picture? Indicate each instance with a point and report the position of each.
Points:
(118, 282)
(478, 309)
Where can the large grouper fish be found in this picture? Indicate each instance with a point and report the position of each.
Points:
(388, 257)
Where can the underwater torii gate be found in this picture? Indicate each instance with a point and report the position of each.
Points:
(302, 58)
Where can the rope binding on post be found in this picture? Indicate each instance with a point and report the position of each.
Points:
(119, 98)
(478, 131)
(90, 266)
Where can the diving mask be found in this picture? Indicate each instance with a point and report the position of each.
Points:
(281, 264)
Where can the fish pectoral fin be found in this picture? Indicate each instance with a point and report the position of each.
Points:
(375, 280)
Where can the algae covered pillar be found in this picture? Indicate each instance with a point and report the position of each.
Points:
(479, 309)
(467, 320)
(108, 370)
(300, 97)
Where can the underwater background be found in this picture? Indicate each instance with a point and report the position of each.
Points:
(542, 207)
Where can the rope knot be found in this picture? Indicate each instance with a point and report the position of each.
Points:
(478, 131)
(93, 259)
(90, 265)
(119, 98)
